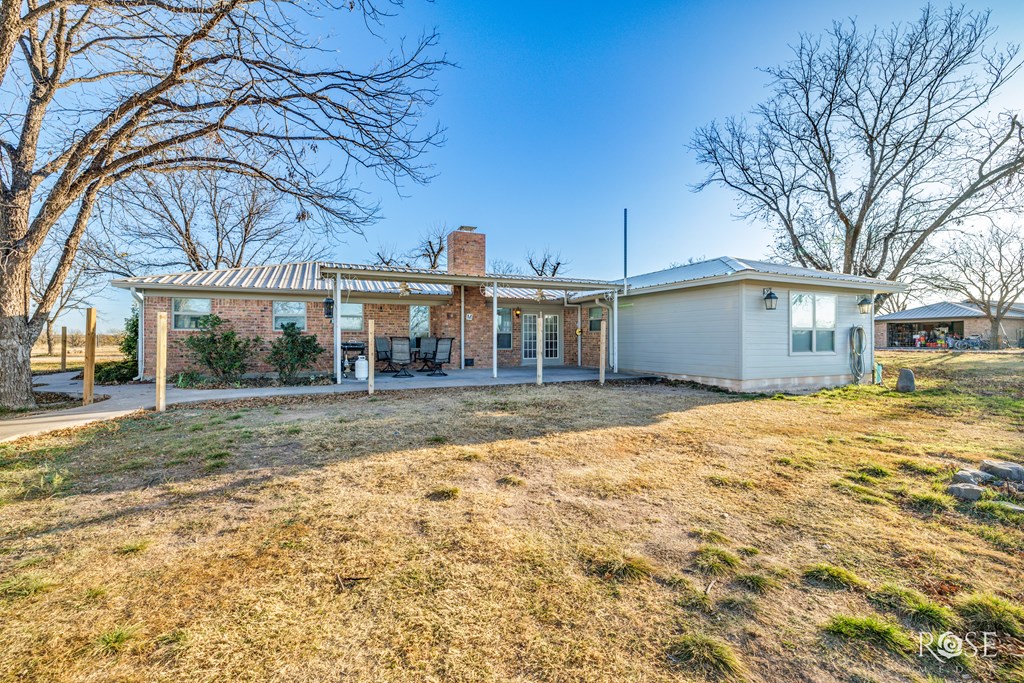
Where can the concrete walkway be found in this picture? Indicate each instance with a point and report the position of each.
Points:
(129, 398)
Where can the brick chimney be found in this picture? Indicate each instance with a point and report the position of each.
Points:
(467, 251)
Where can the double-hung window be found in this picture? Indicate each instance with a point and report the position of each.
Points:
(812, 322)
(187, 312)
(595, 314)
(350, 317)
(504, 329)
(290, 312)
(419, 323)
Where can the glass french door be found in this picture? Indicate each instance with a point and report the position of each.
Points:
(549, 341)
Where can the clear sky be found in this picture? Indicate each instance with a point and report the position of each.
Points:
(559, 115)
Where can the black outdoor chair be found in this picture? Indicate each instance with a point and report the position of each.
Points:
(442, 356)
(382, 350)
(428, 346)
(401, 355)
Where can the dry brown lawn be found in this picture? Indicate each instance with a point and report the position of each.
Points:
(510, 534)
(42, 362)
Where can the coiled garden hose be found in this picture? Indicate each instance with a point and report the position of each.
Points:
(858, 345)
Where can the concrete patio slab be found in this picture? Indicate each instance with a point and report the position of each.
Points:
(129, 398)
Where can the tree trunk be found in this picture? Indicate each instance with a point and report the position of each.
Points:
(995, 333)
(49, 337)
(16, 339)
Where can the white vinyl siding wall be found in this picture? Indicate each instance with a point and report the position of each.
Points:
(683, 332)
(766, 335)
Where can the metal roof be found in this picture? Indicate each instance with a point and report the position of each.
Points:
(500, 277)
(944, 310)
(727, 265)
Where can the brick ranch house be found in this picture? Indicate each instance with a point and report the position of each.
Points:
(739, 324)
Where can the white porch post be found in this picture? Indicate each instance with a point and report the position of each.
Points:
(462, 327)
(540, 348)
(615, 331)
(336, 323)
(494, 331)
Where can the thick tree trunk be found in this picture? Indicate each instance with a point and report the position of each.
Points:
(16, 340)
(995, 333)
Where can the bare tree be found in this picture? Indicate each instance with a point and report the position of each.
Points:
(987, 270)
(100, 91)
(547, 263)
(874, 142)
(431, 251)
(80, 287)
(389, 255)
(503, 267)
(197, 220)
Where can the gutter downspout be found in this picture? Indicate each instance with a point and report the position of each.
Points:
(140, 341)
(336, 324)
(615, 331)
(462, 327)
(494, 331)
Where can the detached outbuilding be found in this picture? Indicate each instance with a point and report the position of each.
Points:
(932, 326)
(738, 324)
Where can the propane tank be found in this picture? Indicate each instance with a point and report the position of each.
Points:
(362, 368)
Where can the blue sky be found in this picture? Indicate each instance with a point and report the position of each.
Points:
(559, 115)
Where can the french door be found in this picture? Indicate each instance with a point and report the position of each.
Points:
(550, 337)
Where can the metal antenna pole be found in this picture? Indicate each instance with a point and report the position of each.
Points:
(625, 250)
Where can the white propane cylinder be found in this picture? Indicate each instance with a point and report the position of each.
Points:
(362, 368)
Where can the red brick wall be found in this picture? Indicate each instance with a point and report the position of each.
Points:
(467, 252)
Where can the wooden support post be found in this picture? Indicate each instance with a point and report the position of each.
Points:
(63, 348)
(161, 361)
(604, 350)
(371, 356)
(540, 349)
(89, 372)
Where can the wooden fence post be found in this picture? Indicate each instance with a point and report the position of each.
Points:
(89, 371)
(604, 350)
(63, 348)
(161, 361)
(371, 356)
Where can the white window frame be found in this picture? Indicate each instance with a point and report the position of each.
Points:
(814, 329)
(275, 315)
(175, 315)
(342, 317)
(508, 331)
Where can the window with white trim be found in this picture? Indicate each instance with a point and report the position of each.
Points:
(504, 329)
(812, 322)
(594, 315)
(185, 313)
(350, 316)
(290, 312)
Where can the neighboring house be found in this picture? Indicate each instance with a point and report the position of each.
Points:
(707, 322)
(903, 329)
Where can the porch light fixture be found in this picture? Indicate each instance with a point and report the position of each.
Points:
(864, 306)
(517, 312)
(328, 308)
(771, 299)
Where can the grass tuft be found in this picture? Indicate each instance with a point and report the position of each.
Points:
(115, 640)
(991, 509)
(876, 471)
(756, 583)
(930, 502)
(832, 576)
(444, 493)
(705, 655)
(511, 480)
(620, 566)
(870, 629)
(748, 551)
(920, 468)
(915, 606)
(24, 586)
(709, 536)
(133, 548)
(715, 561)
(987, 612)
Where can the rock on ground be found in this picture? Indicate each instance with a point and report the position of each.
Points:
(971, 477)
(1003, 470)
(906, 382)
(965, 491)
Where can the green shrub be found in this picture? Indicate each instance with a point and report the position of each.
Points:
(293, 352)
(116, 372)
(129, 344)
(222, 352)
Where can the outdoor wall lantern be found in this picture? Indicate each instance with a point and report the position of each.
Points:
(864, 306)
(328, 308)
(517, 312)
(771, 299)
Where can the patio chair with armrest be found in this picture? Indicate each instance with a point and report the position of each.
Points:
(428, 346)
(442, 356)
(401, 355)
(382, 350)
